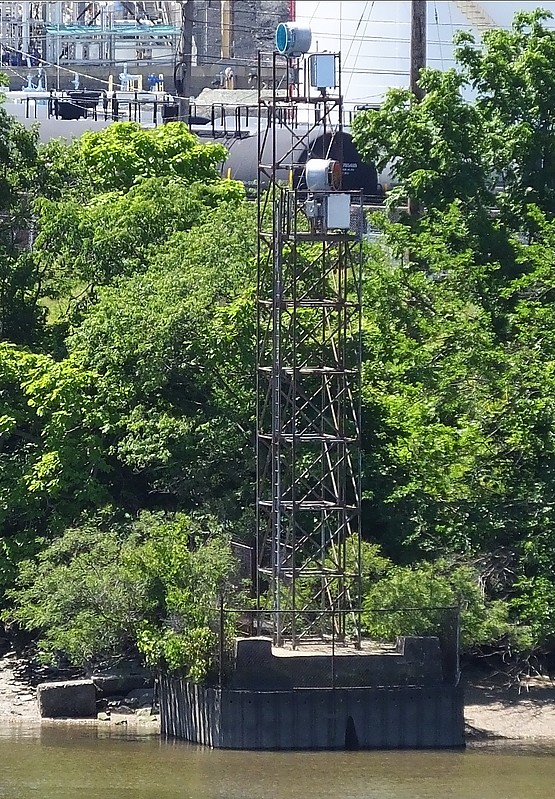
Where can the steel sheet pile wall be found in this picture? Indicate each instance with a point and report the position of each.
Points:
(364, 718)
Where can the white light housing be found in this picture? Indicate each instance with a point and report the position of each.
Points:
(322, 174)
(338, 211)
(292, 39)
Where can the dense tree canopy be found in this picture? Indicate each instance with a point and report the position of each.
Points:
(20, 316)
(483, 134)
(459, 325)
(122, 155)
(116, 586)
(173, 347)
(133, 399)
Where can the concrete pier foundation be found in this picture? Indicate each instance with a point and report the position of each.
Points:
(314, 718)
(396, 699)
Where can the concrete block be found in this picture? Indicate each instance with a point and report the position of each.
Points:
(71, 699)
(249, 651)
(258, 667)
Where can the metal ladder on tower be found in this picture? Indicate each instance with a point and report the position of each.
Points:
(476, 15)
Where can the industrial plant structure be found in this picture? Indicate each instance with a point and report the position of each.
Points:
(96, 39)
(80, 33)
(222, 37)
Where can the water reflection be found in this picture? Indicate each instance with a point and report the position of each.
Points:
(68, 761)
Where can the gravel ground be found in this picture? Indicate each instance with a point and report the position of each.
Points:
(18, 699)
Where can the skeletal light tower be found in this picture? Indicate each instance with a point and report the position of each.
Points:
(308, 359)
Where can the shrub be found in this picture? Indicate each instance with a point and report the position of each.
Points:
(111, 587)
(413, 601)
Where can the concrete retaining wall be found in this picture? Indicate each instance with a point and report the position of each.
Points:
(319, 718)
(415, 661)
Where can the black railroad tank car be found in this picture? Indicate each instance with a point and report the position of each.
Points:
(296, 149)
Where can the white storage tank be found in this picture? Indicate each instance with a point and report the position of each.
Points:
(374, 37)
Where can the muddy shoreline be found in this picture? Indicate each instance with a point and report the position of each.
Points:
(492, 710)
(513, 712)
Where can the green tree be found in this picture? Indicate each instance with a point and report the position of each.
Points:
(20, 281)
(492, 147)
(52, 458)
(416, 601)
(106, 201)
(514, 78)
(173, 348)
(158, 392)
(458, 381)
(81, 247)
(434, 148)
(116, 585)
(123, 154)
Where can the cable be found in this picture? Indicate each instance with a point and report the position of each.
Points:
(327, 35)
(437, 26)
(216, 61)
(352, 38)
(44, 63)
(330, 36)
(249, 60)
(316, 9)
(75, 71)
(360, 44)
(212, 60)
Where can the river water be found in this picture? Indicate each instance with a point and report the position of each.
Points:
(64, 761)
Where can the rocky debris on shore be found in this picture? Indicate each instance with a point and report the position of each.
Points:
(491, 710)
(17, 696)
(126, 691)
(138, 703)
(121, 697)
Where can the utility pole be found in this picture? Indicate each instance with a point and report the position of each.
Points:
(417, 63)
(227, 40)
(226, 28)
(417, 44)
(182, 74)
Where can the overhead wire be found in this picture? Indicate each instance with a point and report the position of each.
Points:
(316, 10)
(326, 36)
(353, 37)
(215, 60)
(436, 16)
(81, 74)
(208, 60)
(360, 43)
(97, 30)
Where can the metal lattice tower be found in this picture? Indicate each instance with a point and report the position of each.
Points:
(308, 367)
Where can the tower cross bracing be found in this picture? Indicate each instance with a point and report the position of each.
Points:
(308, 375)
